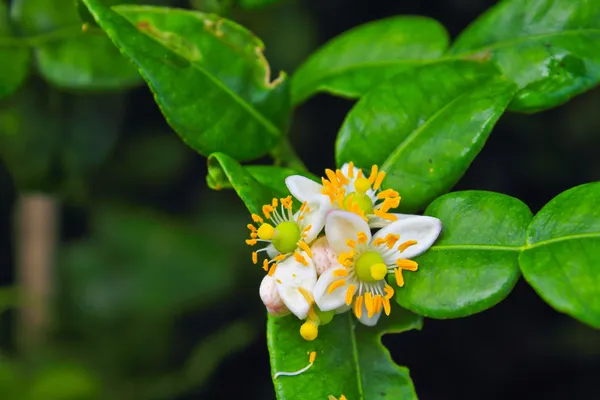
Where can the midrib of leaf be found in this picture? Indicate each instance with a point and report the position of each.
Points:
(396, 153)
(355, 357)
(591, 235)
(523, 39)
(271, 128)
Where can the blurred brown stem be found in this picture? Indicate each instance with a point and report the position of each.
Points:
(35, 242)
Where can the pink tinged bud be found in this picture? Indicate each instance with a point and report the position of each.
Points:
(323, 256)
(270, 297)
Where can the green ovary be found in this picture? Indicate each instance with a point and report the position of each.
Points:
(370, 267)
(362, 199)
(287, 234)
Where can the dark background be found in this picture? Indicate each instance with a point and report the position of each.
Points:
(519, 349)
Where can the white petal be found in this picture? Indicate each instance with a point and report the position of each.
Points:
(424, 230)
(364, 317)
(318, 207)
(329, 301)
(302, 188)
(272, 251)
(270, 297)
(291, 275)
(343, 225)
(378, 222)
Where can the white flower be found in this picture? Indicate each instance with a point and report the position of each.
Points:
(366, 260)
(348, 189)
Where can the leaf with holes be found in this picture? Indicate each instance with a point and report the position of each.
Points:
(474, 263)
(548, 47)
(424, 127)
(562, 257)
(350, 359)
(208, 74)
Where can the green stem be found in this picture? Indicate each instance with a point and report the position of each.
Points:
(285, 155)
(44, 38)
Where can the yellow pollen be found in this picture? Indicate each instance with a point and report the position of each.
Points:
(251, 227)
(361, 185)
(350, 243)
(378, 303)
(274, 203)
(409, 265)
(340, 272)
(253, 235)
(350, 293)
(272, 270)
(389, 291)
(385, 215)
(305, 247)
(312, 356)
(378, 271)
(386, 306)
(362, 238)
(373, 174)
(308, 228)
(350, 171)
(369, 304)
(278, 281)
(266, 265)
(257, 219)
(266, 232)
(302, 207)
(358, 306)
(287, 202)
(307, 296)
(359, 174)
(331, 176)
(346, 258)
(399, 278)
(336, 284)
(279, 257)
(391, 240)
(378, 180)
(341, 177)
(300, 258)
(251, 242)
(387, 193)
(254, 257)
(406, 245)
(309, 331)
(378, 242)
(267, 210)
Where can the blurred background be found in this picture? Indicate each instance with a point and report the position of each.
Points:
(150, 293)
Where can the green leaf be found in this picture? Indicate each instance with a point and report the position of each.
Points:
(67, 56)
(425, 126)
(548, 47)
(561, 260)
(350, 359)
(474, 264)
(208, 74)
(225, 171)
(9, 298)
(15, 59)
(253, 4)
(354, 62)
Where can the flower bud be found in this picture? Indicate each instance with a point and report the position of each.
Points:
(323, 256)
(271, 299)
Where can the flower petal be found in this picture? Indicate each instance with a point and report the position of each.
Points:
(378, 222)
(324, 256)
(365, 320)
(291, 275)
(325, 300)
(302, 188)
(343, 225)
(424, 230)
(318, 207)
(271, 299)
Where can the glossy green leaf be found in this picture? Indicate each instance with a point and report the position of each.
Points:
(354, 62)
(66, 55)
(548, 47)
(208, 74)
(561, 259)
(474, 263)
(15, 58)
(424, 127)
(252, 4)
(224, 171)
(350, 359)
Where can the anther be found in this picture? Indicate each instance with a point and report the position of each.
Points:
(254, 257)
(336, 284)
(350, 293)
(251, 242)
(406, 245)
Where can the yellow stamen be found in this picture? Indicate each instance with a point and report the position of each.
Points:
(389, 291)
(267, 210)
(307, 296)
(311, 360)
(254, 257)
(251, 227)
(300, 258)
(350, 293)
(378, 242)
(350, 171)
(251, 242)
(385, 215)
(373, 174)
(362, 238)
(359, 174)
(308, 228)
(358, 306)
(341, 177)
(287, 202)
(346, 258)
(274, 203)
(369, 304)
(378, 180)
(350, 243)
(312, 315)
(272, 270)
(336, 284)
(409, 265)
(257, 219)
(331, 176)
(387, 193)
(399, 278)
(305, 247)
(302, 207)
(279, 257)
(386, 306)
(340, 272)
(378, 303)
(406, 245)
(253, 235)
(266, 265)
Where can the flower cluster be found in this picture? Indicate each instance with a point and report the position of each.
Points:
(315, 276)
